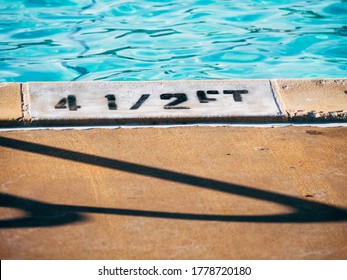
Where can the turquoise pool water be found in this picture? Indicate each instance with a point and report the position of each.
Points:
(84, 40)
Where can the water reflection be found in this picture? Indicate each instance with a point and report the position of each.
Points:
(60, 40)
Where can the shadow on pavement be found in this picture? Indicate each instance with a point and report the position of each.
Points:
(39, 214)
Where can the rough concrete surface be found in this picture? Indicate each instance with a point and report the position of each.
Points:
(10, 103)
(175, 193)
(313, 99)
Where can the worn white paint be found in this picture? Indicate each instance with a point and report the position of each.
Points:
(259, 102)
(136, 126)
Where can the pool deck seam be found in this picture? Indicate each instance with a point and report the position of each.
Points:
(26, 104)
(277, 99)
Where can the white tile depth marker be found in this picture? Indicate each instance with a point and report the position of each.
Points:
(143, 102)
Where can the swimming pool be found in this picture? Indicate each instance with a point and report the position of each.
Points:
(85, 40)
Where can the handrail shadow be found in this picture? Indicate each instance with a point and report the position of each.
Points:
(45, 214)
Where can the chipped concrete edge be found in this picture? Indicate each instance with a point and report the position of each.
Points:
(303, 113)
(283, 100)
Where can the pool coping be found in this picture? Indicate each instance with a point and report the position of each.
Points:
(292, 100)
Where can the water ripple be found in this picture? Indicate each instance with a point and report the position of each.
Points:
(60, 40)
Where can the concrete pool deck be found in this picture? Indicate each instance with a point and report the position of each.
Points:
(174, 193)
(177, 192)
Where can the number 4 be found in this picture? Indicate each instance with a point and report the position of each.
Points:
(71, 101)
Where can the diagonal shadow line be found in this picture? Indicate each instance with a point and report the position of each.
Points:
(304, 211)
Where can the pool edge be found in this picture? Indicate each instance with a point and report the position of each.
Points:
(298, 100)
